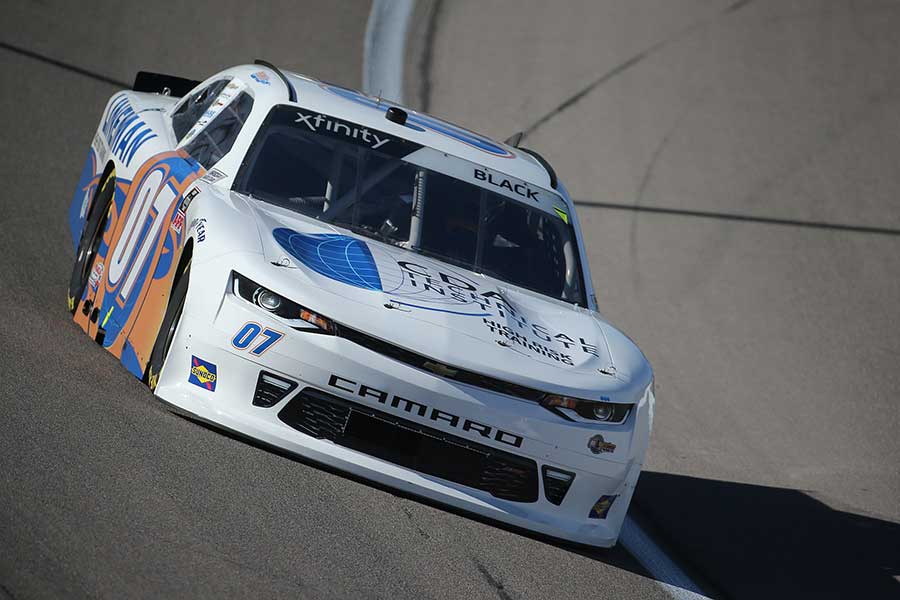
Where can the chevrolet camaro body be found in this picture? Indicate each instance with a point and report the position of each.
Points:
(373, 289)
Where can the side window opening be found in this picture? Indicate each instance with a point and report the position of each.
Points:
(191, 110)
(216, 139)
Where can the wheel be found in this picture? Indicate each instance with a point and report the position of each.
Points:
(91, 236)
(167, 328)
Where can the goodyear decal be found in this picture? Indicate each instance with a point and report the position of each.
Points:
(203, 374)
(124, 130)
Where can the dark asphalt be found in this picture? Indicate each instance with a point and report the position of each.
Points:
(103, 492)
(742, 160)
(736, 166)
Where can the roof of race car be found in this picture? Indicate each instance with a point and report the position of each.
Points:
(420, 128)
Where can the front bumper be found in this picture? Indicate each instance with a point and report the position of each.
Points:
(370, 383)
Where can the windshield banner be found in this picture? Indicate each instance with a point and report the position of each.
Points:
(343, 130)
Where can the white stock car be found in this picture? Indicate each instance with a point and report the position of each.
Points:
(363, 285)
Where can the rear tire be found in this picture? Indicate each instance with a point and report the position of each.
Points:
(167, 329)
(91, 237)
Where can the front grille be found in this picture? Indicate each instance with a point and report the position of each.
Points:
(411, 445)
(323, 420)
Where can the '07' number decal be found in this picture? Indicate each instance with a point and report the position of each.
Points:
(250, 332)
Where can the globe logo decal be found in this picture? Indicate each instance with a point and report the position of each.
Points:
(336, 256)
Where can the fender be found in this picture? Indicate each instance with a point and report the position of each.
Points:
(124, 303)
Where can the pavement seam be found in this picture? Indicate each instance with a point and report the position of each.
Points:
(631, 62)
(63, 65)
(703, 214)
(492, 581)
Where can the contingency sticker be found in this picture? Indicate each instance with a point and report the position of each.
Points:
(601, 508)
(562, 214)
(203, 374)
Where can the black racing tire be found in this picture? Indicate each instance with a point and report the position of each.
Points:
(167, 329)
(91, 236)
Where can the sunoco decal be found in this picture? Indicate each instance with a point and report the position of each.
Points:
(203, 374)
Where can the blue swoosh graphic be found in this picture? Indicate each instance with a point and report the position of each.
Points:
(338, 257)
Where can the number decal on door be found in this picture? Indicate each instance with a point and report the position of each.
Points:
(250, 333)
(140, 252)
(142, 226)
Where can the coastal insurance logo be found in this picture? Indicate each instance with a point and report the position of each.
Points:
(411, 280)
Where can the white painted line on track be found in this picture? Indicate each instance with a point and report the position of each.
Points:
(383, 61)
(384, 47)
(667, 574)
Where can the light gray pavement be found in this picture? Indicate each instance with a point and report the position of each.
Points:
(103, 493)
(775, 347)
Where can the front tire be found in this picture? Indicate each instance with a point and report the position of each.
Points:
(91, 237)
(167, 329)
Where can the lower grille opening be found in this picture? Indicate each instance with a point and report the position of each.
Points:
(411, 445)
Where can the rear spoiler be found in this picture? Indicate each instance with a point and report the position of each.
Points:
(167, 85)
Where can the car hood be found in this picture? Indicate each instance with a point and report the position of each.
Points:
(454, 316)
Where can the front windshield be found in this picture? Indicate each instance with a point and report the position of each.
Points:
(356, 178)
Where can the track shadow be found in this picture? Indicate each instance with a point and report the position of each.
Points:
(616, 556)
(736, 540)
(753, 541)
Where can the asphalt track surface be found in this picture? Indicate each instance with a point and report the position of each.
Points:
(742, 158)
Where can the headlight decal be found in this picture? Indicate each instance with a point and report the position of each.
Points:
(575, 409)
(280, 306)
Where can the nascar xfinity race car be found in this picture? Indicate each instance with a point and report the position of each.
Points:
(365, 286)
